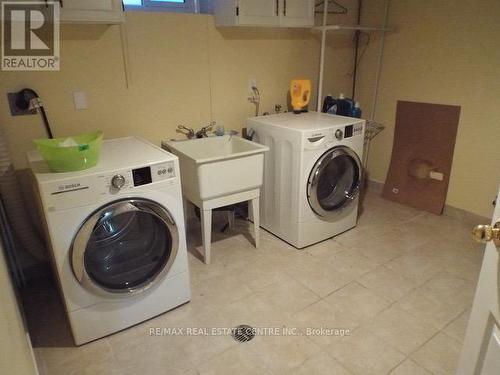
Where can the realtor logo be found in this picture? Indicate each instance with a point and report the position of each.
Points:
(30, 35)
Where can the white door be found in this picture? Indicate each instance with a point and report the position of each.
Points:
(481, 350)
(87, 4)
(258, 12)
(297, 13)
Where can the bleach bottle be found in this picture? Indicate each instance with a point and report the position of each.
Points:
(356, 110)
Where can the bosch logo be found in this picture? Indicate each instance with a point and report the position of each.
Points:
(70, 186)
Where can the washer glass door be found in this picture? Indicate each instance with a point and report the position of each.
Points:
(334, 181)
(125, 246)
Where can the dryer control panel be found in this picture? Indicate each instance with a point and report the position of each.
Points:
(83, 190)
(353, 130)
(324, 138)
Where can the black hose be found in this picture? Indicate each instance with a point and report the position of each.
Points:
(46, 123)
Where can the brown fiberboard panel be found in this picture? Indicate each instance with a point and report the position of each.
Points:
(424, 140)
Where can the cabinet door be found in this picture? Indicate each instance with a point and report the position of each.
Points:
(297, 13)
(258, 12)
(87, 4)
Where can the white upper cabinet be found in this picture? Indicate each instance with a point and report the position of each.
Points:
(297, 13)
(91, 11)
(257, 12)
(274, 13)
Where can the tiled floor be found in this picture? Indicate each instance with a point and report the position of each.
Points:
(401, 282)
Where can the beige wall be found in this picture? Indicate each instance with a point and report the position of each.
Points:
(17, 355)
(444, 52)
(183, 71)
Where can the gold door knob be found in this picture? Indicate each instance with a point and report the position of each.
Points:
(486, 233)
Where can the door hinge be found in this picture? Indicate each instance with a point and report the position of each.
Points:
(237, 11)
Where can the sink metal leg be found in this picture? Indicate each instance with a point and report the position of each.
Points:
(256, 224)
(230, 219)
(186, 205)
(206, 233)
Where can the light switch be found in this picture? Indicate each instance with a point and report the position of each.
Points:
(80, 100)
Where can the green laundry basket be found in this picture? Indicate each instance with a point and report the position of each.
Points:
(73, 158)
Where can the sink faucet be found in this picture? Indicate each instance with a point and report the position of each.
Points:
(203, 132)
(188, 132)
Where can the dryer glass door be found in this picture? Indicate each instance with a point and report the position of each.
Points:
(334, 181)
(125, 246)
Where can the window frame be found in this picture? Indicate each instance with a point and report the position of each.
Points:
(189, 6)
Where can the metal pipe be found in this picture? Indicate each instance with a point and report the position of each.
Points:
(322, 56)
(379, 63)
(356, 48)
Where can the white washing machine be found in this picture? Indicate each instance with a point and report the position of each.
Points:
(312, 174)
(117, 236)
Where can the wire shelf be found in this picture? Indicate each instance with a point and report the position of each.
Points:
(372, 129)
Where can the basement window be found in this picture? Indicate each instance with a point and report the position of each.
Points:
(186, 6)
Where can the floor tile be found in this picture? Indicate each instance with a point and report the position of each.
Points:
(359, 300)
(281, 354)
(325, 248)
(456, 329)
(450, 289)
(259, 273)
(403, 330)
(237, 360)
(253, 310)
(415, 266)
(409, 367)
(322, 276)
(320, 364)
(137, 352)
(217, 290)
(365, 354)
(420, 305)
(71, 360)
(383, 248)
(387, 283)
(440, 355)
(322, 315)
(287, 295)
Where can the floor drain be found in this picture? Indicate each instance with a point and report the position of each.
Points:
(243, 333)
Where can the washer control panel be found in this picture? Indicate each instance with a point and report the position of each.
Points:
(140, 176)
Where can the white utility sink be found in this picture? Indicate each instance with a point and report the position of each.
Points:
(219, 171)
(216, 166)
